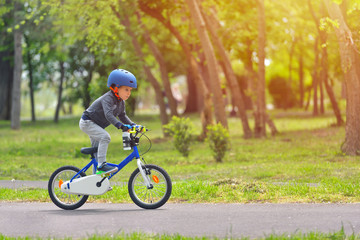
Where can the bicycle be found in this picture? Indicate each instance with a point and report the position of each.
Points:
(149, 186)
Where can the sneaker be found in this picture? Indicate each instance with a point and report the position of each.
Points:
(105, 168)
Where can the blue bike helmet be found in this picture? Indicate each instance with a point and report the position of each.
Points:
(121, 77)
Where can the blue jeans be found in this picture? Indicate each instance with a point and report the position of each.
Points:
(98, 137)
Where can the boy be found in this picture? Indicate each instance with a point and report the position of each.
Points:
(103, 112)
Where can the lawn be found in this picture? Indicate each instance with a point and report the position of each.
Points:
(301, 164)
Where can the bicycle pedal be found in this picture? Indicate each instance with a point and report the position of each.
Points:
(109, 189)
(106, 174)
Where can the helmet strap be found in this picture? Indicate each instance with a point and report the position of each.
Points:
(115, 91)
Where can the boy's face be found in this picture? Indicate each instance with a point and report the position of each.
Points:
(124, 92)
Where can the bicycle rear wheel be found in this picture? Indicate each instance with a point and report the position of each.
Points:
(157, 195)
(59, 198)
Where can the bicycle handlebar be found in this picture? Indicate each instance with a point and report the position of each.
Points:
(138, 129)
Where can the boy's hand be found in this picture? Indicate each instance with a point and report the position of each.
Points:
(125, 127)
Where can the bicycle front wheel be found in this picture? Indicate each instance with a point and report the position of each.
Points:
(64, 200)
(157, 195)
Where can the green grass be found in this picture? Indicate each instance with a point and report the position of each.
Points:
(301, 164)
(340, 235)
(226, 191)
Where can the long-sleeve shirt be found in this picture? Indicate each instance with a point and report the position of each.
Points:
(104, 110)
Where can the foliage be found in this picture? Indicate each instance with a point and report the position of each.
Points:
(297, 235)
(303, 164)
(218, 139)
(181, 129)
(282, 93)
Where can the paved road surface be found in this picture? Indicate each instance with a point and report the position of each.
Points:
(221, 220)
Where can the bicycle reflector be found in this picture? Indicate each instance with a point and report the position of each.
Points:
(60, 183)
(155, 178)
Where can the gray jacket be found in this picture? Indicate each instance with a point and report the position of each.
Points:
(104, 110)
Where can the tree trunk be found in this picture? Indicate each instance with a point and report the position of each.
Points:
(60, 90)
(291, 56)
(252, 75)
(199, 81)
(6, 65)
(6, 83)
(271, 125)
(261, 104)
(321, 83)
(211, 21)
(315, 78)
(163, 70)
(18, 61)
(329, 90)
(218, 102)
(350, 62)
(193, 101)
(308, 99)
(301, 77)
(31, 80)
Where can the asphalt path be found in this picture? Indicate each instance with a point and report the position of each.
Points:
(213, 220)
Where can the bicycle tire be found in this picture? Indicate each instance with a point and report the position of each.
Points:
(59, 198)
(150, 198)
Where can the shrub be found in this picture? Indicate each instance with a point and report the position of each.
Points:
(181, 130)
(219, 141)
(282, 93)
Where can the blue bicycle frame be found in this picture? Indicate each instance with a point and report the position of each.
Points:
(121, 165)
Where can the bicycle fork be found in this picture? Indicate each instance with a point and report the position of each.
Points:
(144, 174)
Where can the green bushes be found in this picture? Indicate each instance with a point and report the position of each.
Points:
(181, 129)
(281, 92)
(219, 141)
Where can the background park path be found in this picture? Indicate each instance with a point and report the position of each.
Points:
(220, 220)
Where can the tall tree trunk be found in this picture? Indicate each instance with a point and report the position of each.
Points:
(308, 99)
(163, 70)
(6, 82)
(291, 56)
(321, 83)
(31, 80)
(218, 102)
(6, 65)
(315, 78)
(324, 65)
(350, 62)
(252, 75)
(301, 77)
(192, 99)
(260, 128)
(18, 61)
(60, 90)
(206, 112)
(211, 21)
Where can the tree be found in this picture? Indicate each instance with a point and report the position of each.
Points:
(213, 26)
(149, 76)
(219, 107)
(206, 111)
(6, 60)
(260, 115)
(18, 61)
(162, 65)
(350, 64)
(324, 67)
